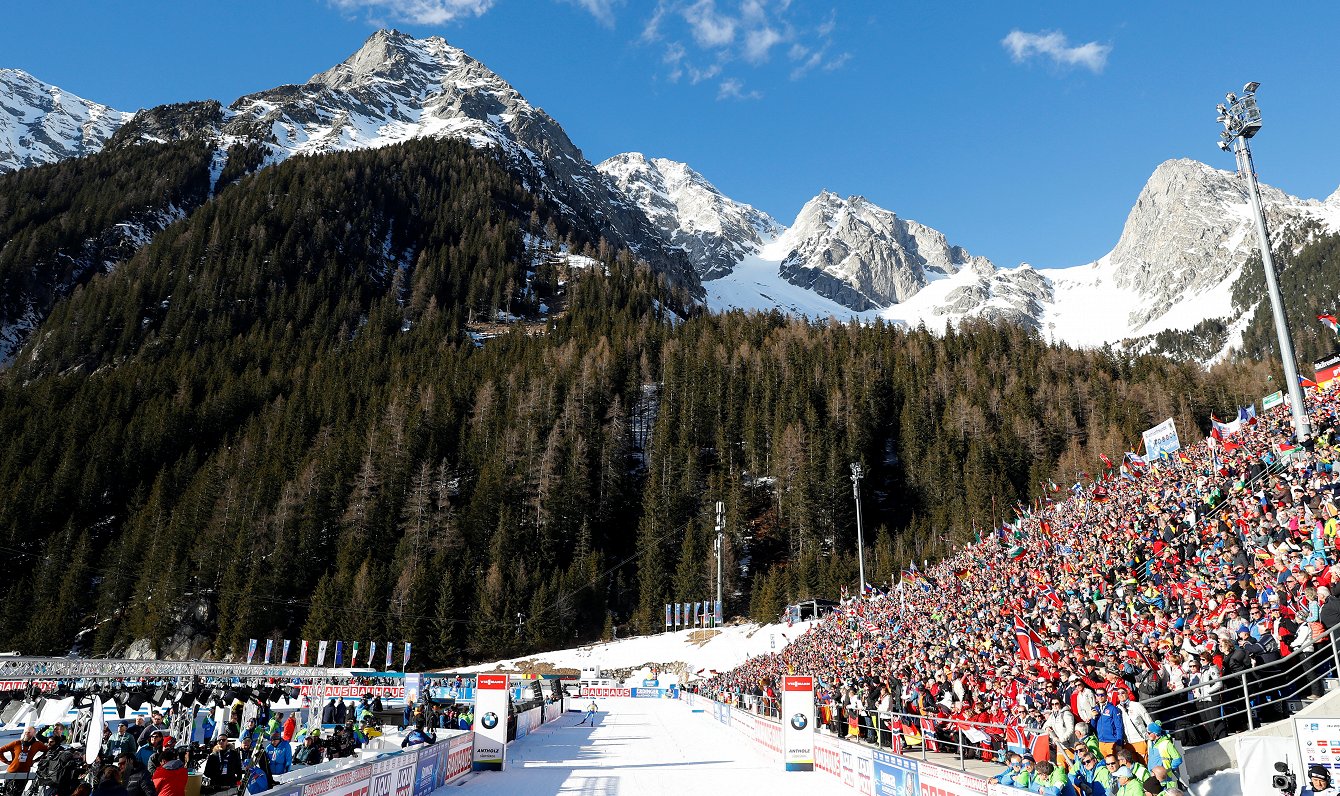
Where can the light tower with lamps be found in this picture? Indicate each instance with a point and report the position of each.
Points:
(1242, 120)
(856, 473)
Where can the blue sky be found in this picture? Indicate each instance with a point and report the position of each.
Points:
(1024, 132)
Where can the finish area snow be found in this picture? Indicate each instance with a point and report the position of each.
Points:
(643, 746)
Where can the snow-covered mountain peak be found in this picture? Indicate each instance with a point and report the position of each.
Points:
(715, 231)
(40, 123)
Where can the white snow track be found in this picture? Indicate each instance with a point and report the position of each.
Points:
(642, 746)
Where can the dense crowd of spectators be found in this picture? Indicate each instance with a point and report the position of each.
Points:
(1142, 590)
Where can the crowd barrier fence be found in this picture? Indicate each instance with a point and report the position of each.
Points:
(866, 770)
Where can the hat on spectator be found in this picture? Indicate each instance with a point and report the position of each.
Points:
(1124, 772)
(1154, 728)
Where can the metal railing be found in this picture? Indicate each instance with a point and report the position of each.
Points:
(1249, 698)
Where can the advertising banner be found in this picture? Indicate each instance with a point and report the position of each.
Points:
(251, 650)
(269, 648)
(648, 693)
(827, 756)
(393, 776)
(413, 688)
(389, 647)
(667, 615)
(460, 751)
(940, 781)
(798, 723)
(1161, 439)
(1319, 744)
(894, 775)
(283, 656)
(353, 782)
(427, 768)
(1272, 400)
(321, 653)
(490, 747)
(302, 656)
(372, 654)
(602, 691)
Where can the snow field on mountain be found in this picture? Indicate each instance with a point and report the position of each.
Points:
(697, 649)
(643, 746)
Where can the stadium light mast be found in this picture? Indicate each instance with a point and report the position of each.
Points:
(1242, 120)
(721, 529)
(856, 473)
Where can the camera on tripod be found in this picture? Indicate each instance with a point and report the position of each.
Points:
(1285, 781)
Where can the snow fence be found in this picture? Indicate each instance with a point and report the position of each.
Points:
(866, 770)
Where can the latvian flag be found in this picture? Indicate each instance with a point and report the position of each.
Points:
(1031, 647)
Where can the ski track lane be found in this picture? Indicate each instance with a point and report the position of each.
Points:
(641, 748)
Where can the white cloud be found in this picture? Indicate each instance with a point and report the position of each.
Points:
(710, 28)
(652, 30)
(422, 12)
(733, 88)
(697, 75)
(674, 58)
(758, 42)
(1053, 44)
(602, 10)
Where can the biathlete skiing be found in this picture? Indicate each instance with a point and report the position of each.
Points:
(590, 715)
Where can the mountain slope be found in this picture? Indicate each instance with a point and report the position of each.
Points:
(41, 124)
(397, 88)
(715, 231)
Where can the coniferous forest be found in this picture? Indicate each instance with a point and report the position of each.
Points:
(297, 414)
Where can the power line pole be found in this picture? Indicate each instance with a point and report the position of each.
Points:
(856, 473)
(1242, 120)
(721, 530)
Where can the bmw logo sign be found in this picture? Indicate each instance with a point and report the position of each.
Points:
(799, 721)
(489, 720)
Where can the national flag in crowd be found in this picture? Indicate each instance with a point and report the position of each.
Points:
(1247, 415)
(1306, 382)
(1331, 322)
(1052, 485)
(962, 574)
(1100, 494)
(1030, 643)
(1018, 551)
(1049, 594)
(1106, 461)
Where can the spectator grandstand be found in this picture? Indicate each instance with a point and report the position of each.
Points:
(1192, 594)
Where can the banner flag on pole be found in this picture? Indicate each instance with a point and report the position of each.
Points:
(339, 653)
(353, 661)
(406, 663)
(720, 619)
(302, 654)
(372, 654)
(283, 656)
(269, 648)
(321, 652)
(389, 646)
(667, 614)
(251, 650)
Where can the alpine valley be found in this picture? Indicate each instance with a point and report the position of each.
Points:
(1172, 271)
(383, 355)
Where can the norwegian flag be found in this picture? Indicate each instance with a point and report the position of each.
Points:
(1030, 643)
(1049, 594)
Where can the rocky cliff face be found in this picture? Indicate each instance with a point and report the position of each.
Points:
(714, 231)
(40, 123)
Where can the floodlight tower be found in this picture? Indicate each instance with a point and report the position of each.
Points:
(1242, 120)
(856, 473)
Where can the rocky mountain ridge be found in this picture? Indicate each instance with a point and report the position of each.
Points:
(40, 123)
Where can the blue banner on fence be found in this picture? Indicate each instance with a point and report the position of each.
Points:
(895, 776)
(426, 774)
(648, 693)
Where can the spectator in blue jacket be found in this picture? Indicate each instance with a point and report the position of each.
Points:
(1110, 726)
(280, 754)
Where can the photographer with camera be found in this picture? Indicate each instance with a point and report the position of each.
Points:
(223, 767)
